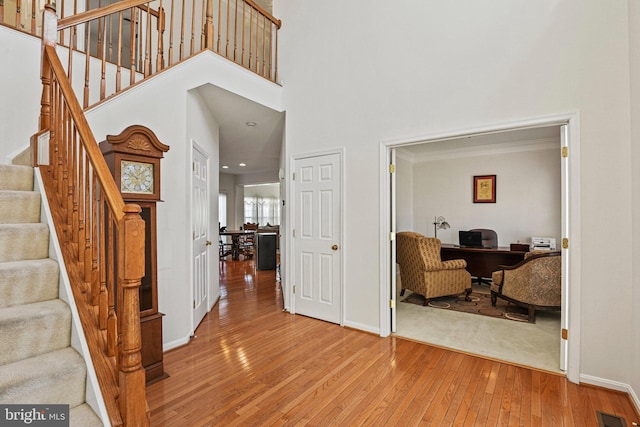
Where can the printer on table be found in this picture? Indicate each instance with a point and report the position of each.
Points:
(543, 243)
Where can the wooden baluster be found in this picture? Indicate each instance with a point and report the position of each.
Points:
(95, 203)
(161, 22)
(77, 171)
(193, 27)
(131, 236)
(81, 204)
(103, 303)
(34, 11)
(18, 6)
(87, 55)
(203, 37)
(99, 32)
(219, 25)
(132, 46)
(141, 33)
(147, 50)
(119, 61)
(182, 33)
(68, 174)
(244, 4)
(235, 30)
(257, 59)
(250, 36)
(103, 69)
(112, 322)
(57, 120)
(264, 45)
(226, 48)
(82, 166)
(87, 225)
(271, 50)
(209, 25)
(73, 42)
(171, 27)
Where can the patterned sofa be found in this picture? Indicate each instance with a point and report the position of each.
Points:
(533, 283)
(423, 272)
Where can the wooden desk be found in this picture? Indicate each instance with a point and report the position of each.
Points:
(481, 262)
(235, 240)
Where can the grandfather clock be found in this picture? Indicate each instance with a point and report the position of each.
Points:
(133, 157)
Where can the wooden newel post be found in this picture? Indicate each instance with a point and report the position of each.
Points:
(49, 34)
(208, 26)
(132, 399)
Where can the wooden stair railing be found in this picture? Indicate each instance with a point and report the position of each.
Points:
(101, 238)
(121, 43)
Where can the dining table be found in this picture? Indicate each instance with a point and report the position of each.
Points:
(236, 241)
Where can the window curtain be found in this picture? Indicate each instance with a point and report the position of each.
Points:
(263, 210)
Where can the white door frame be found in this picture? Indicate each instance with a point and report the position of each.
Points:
(571, 216)
(291, 246)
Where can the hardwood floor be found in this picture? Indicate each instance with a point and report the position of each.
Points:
(251, 364)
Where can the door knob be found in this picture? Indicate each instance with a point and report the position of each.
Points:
(334, 247)
(208, 243)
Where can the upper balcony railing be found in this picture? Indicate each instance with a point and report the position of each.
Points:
(106, 54)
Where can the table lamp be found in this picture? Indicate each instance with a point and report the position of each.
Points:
(439, 223)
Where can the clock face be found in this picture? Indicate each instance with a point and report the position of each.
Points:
(136, 177)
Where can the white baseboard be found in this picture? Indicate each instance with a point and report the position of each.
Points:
(175, 343)
(613, 385)
(362, 327)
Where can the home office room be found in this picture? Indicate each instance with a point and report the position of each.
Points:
(437, 195)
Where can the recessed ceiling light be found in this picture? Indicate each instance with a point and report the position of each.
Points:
(251, 124)
(242, 165)
(225, 167)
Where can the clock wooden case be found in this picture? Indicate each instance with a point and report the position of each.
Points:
(133, 157)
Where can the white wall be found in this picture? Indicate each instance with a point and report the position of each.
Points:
(527, 196)
(378, 72)
(176, 119)
(204, 133)
(20, 89)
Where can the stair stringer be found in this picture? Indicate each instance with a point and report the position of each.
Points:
(93, 394)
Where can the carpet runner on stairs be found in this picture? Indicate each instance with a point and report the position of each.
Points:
(37, 363)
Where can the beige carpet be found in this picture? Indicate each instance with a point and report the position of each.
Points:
(536, 345)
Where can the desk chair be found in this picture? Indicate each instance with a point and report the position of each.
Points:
(489, 240)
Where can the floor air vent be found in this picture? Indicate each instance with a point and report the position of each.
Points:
(608, 420)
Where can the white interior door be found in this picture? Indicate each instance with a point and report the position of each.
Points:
(200, 233)
(317, 237)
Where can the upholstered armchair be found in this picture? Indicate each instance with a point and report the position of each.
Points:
(423, 272)
(533, 283)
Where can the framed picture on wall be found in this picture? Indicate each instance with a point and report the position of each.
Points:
(484, 189)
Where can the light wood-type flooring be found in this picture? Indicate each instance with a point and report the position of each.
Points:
(251, 364)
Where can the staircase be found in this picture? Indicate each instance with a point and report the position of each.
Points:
(37, 363)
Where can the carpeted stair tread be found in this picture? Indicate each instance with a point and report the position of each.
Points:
(23, 241)
(33, 329)
(14, 177)
(19, 207)
(57, 377)
(83, 416)
(29, 281)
